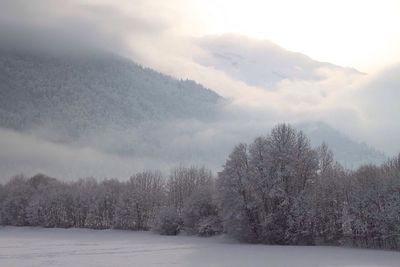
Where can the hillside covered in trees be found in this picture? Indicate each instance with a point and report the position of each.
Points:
(276, 190)
(73, 94)
(64, 102)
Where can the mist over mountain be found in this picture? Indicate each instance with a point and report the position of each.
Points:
(261, 62)
(350, 153)
(99, 114)
(384, 87)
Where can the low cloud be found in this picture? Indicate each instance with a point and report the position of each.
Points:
(23, 153)
(362, 106)
(377, 101)
(76, 26)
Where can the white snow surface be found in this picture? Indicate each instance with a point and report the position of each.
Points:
(25, 246)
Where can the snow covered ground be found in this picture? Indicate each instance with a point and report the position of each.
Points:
(81, 247)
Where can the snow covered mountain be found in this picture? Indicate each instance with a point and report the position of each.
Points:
(120, 117)
(72, 94)
(260, 62)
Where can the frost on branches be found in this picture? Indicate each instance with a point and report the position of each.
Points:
(276, 190)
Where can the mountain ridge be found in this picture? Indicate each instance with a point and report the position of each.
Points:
(259, 62)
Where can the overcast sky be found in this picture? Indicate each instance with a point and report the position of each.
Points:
(358, 33)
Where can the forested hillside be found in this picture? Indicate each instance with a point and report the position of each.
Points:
(116, 107)
(72, 94)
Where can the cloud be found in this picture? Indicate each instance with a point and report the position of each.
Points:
(154, 34)
(378, 103)
(260, 62)
(75, 26)
(24, 153)
(362, 106)
(150, 34)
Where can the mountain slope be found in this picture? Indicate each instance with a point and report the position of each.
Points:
(72, 94)
(350, 153)
(102, 115)
(260, 62)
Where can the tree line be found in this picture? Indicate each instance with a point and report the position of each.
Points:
(275, 190)
(146, 201)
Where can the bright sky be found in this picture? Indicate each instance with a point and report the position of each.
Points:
(359, 33)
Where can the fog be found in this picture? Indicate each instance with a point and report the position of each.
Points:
(28, 155)
(362, 106)
(123, 152)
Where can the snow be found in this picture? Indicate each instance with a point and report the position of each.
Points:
(24, 246)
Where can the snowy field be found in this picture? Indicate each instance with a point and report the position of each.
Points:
(80, 247)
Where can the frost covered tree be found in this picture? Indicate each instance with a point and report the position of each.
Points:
(51, 204)
(183, 181)
(167, 221)
(292, 167)
(2, 196)
(191, 192)
(238, 209)
(141, 198)
(83, 193)
(261, 187)
(17, 193)
(277, 190)
(330, 198)
(124, 213)
(102, 211)
(374, 205)
(200, 212)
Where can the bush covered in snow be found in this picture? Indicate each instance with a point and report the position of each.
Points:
(167, 222)
(200, 213)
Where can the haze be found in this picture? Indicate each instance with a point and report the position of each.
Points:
(243, 50)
